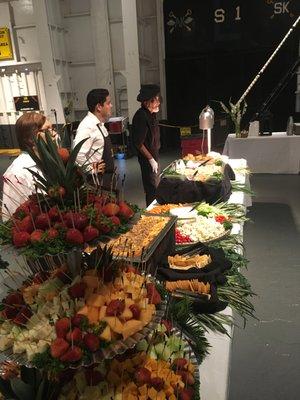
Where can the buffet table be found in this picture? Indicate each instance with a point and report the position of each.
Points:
(276, 154)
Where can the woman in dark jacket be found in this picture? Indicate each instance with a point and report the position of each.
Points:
(145, 133)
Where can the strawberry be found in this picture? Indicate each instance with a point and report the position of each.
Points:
(98, 207)
(180, 363)
(77, 290)
(93, 377)
(152, 294)
(115, 307)
(26, 224)
(91, 341)
(21, 239)
(64, 154)
(157, 383)
(22, 211)
(52, 233)
(142, 376)
(79, 319)
(80, 221)
(187, 377)
(42, 221)
(36, 236)
(115, 220)
(135, 311)
(110, 209)
(125, 211)
(62, 326)
(61, 191)
(53, 213)
(74, 236)
(73, 354)
(90, 233)
(68, 218)
(74, 336)
(58, 347)
(23, 316)
(9, 312)
(186, 393)
(168, 324)
(14, 299)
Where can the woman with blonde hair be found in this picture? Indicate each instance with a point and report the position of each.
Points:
(18, 182)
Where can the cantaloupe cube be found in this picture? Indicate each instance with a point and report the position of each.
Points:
(83, 311)
(115, 324)
(93, 314)
(161, 395)
(143, 389)
(102, 312)
(95, 300)
(91, 281)
(152, 393)
(131, 327)
(106, 334)
(126, 314)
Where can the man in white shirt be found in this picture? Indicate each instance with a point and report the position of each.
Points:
(97, 147)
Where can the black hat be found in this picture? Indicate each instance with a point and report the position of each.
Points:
(147, 92)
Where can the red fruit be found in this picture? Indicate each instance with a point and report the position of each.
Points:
(53, 213)
(62, 327)
(186, 393)
(23, 316)
(10, 312)
(135, 311)
(91, 341)
(74, 236)
(61, 191)
(36, 236)
(93, 377)
(98, 207)
(58, 347)
(60, 226)
(73, 354)
(34, 208)
(64, 154)
(80, 221)
(42, 221)
(104, 228)
(220, 218)
(68, 218)
(26, 224)
(180, 363)
(125, 211)
(79, 319)
(168, 324)
(115, 307)
(90, 233)
(77, 290)
(14, 299)
(115, 220)
(142, 376)
(52, 233)
(187, 377)
(157, 383)
(74, 336)
(110, 209)
(21, 239)
(152, 294)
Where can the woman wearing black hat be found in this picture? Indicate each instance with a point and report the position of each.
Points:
(145, 133)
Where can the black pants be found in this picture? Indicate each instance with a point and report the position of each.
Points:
(150, 180)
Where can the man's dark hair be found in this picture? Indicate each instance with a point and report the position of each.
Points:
(96, 96)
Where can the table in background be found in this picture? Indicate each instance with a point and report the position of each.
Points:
(276, 154)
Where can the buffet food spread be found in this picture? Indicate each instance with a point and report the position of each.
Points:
(85, 315)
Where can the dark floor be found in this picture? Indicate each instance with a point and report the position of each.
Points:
(266, 354)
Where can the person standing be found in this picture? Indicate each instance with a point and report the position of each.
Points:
(146, 138)
(18, 182)
(97, 148)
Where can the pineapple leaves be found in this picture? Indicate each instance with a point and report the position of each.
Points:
(53, 150)
(72, 159)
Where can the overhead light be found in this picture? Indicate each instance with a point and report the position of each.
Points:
(2, 69)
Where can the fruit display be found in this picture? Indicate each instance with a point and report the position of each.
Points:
(164, 370)
(55, 317)
(184, 263)
(197, 157)
(139, 238)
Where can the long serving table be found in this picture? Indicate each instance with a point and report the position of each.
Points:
(215, 369)
(275, 154)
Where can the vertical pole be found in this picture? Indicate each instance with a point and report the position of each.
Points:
(208, 140)
(131, 48)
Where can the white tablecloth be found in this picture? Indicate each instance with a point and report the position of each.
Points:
(276, 154)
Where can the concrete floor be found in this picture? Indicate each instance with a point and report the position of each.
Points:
(265, 361)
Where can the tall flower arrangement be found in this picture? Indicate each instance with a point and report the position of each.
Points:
(235, 112)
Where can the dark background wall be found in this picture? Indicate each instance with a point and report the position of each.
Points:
(214, 48)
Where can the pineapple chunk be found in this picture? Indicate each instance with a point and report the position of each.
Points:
(106, 334)
(95, 300)
(126, 314)
(93, 314)
(131, 327)
(102, 312)
(115, 324)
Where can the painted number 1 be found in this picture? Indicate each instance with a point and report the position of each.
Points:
(220, 15)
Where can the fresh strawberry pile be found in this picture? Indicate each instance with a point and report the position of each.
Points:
(180, 238)
(41, 225)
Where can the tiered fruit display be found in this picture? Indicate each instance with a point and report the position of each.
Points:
(53, 320)
(62, 213)
(162, 371)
